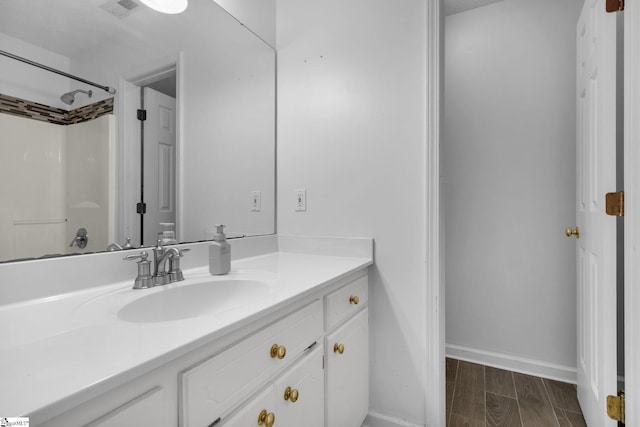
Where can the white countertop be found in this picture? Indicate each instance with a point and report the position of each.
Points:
(57, 352)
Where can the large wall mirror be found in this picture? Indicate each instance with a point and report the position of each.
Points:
(203, 155)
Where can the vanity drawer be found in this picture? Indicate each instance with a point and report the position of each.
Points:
(346, 301)
(216, 386)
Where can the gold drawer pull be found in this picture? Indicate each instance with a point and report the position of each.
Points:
(266, 419)
(354, 300)
(338, 348)
(291, 394)
(278, 351)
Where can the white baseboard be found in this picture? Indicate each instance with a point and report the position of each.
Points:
(509, 362)
(375, 419)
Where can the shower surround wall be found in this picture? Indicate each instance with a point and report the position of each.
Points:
(61, 179)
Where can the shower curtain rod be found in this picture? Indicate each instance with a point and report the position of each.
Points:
(53, 70)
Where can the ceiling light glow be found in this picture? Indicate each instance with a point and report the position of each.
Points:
(167, 6)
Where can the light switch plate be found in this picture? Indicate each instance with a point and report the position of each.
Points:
(301, 199)
(256, 201)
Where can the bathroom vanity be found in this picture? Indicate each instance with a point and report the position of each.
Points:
(282, 340)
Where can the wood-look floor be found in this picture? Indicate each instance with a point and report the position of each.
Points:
(488, 397)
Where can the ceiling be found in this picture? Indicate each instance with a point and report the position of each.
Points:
(456, 6)
(68, 27)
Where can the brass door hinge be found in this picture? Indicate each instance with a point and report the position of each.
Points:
(615, 406)
(615, 5)
(615, 203)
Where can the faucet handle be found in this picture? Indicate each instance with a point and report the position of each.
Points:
(181, 252)
(127, 243)
(175, 274)
(144, 279)
(142, 256)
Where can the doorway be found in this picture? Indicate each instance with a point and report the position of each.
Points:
(150, 175)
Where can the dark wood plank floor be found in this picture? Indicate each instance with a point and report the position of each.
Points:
(483, 396)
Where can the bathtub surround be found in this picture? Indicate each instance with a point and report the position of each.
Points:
(62, 179)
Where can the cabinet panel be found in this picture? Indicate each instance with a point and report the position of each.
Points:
(145, 410)
(305, 403)
(347, 374)
(248, 414)
(346, 301)
(217, 385)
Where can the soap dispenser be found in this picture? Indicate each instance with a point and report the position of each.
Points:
(219, 253)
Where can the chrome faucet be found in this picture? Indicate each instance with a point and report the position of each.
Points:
(116, 247)
(144, 279)
(160, 276)
(160, 257)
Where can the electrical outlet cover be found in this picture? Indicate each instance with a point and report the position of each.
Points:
(301, 199)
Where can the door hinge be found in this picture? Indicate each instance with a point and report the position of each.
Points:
(615, 406)
(615, 5)
(141, 208)
(615, 203)
(142, 115)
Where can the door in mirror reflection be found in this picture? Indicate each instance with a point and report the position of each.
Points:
(159, 167)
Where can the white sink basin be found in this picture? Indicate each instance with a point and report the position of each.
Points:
(199, 299)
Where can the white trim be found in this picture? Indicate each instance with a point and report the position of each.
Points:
(524, 365)
(632, 207)
(180, 141)
(376, 419)
(433, 374)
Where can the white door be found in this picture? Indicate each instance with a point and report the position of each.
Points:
(596, 245)
(299, 393)
(159, 174)
(347, 370)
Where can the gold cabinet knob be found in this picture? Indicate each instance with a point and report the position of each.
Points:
(572, 232)
(354, 300)
(266, 418)
(278, 351)
(291, 394)
(338, 348)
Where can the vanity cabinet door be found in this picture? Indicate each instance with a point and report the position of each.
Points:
(347, 373)
(219, 384)
(299, 393)
(250, 413)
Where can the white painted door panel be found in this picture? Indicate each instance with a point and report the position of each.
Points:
(347, 386)
(307, 378)
(596, 246)
(248, 414)
(159, 163)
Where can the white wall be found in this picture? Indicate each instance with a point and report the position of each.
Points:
(509, 170)
(28, 82)
(257, 15)
(351, 130)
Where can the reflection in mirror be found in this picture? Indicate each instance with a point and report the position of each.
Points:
(203, 79)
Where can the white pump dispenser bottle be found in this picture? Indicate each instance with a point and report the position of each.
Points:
(219, 253)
